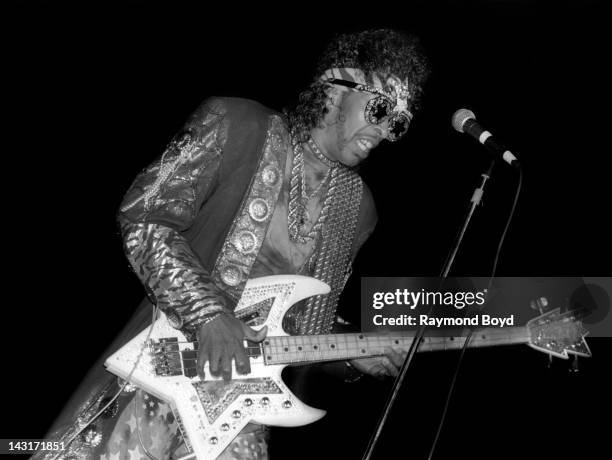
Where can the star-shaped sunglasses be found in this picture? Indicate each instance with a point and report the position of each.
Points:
(379, 109)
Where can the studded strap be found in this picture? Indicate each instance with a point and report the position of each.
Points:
(331, 260)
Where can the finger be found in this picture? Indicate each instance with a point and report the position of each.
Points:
(380, 372)
(390, 368)
(395, 357)
(401, 353)
(253, 335)
(226, 366)
(202, 358)
(215, 357)
(243, 365)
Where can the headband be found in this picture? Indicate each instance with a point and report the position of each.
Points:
(391, 86)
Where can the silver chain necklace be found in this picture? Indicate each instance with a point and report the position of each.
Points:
(298, 215)
(317, 153)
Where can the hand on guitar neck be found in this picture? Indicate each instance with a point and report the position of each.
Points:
(381, 366)
(220, 341)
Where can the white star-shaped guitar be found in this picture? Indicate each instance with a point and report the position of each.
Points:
(213, 412)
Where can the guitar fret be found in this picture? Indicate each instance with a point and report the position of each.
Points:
(303, 348)
(295, 349)
(345, 346)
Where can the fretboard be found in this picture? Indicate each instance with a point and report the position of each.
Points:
(330, 347)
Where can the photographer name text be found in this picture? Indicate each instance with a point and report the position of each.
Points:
(426, 320)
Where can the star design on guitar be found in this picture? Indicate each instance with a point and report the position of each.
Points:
(217, 396)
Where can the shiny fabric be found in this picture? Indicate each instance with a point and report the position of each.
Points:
(278, 253)
(174, 229)
(163, 201)
(241, 247)
(172, 275)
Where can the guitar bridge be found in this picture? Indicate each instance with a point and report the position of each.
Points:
(166, 357)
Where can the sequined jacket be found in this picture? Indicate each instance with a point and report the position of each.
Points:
(192, 225)
(194, 220)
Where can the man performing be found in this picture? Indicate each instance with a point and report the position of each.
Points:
(244, 192)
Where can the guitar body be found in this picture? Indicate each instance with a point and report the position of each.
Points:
(161, 361)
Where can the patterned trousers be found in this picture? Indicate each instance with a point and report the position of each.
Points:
(139, 426)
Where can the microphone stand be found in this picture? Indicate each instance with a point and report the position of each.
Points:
(397, 384)
(475, 200)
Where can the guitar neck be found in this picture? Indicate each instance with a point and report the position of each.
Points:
(330, 347)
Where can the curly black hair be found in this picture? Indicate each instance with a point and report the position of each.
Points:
(383, 50)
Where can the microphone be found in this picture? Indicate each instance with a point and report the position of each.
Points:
(464, 121)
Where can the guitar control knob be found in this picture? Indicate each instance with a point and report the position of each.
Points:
(225, 427)
(287, 404)
(236, 414)
(213, 440)
(248, 402)
(265, 401)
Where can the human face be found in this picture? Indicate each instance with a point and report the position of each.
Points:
(347, 136)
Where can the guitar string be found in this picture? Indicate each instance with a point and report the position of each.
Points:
(374, 346)
(349, 351)
(342, 352)
(278, 342)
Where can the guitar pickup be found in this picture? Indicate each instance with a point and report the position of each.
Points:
(190, 361)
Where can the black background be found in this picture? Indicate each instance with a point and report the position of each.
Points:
(95, 93)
